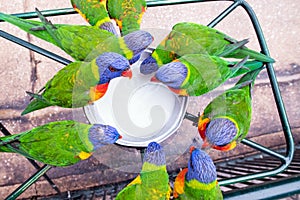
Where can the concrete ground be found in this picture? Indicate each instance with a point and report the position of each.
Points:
(23, 70)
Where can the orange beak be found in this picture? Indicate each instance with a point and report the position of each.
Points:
(120, 136)
(154, 79)
(206, 145)
(127, 73)
(192, 148)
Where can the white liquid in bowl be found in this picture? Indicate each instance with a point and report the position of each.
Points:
(140, 110)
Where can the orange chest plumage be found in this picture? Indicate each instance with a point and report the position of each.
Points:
(98, 91)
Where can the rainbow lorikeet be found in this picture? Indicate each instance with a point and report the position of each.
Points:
(80, 83)
(60, 143)
(127, 14)
(95, 13)
(196, 74)
(198, 180)
(226, 119)
(84, 43)
(191, 38)
(153, 181)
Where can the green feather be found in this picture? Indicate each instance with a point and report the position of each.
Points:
(150, 185)
(200, 191)
(74, 80)
(76, 40)
(95, 13)
(205, 73)
(234, 104)
(28, 25)
(64, 141)
(191, 38)
(127, 13)
(216, 42)
(153, 181)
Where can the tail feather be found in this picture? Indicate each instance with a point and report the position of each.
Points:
(248, 67)
(242, 52)
(35, 104)
(28, 26)
(4, 141)
(249, 77)
(238, 66)
(233, 47)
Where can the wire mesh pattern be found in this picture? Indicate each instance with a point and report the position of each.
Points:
(258, 163)
(234, 175)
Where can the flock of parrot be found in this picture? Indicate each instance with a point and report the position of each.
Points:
(192, 60)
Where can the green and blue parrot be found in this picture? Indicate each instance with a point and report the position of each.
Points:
(191, 38)
(199, 180)
(95, 13)
(153, 181)
(60, 143)
(196, 74)
(80, 83)
(83, 43)
(127, 14)
(226, 119)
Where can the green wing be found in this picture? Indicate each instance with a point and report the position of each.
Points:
(79, 41)
(218, 43)
(57, 143)
(175, 45)
(68, 88)
(149, 185)
(201, 193)
(234, 104)
(213, 41)
(127, 13)
(76, 40)
(94, 12)
(204, 73)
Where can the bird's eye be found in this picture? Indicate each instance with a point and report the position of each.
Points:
(112, 69)
(127, 69)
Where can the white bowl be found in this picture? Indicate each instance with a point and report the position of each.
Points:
(142, 111)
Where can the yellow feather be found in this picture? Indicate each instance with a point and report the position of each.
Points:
(156, 57)
(197, 185)
(84, 155)
(100, 22)
(128, 53)
(137, 180)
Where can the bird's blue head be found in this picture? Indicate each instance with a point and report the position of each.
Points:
(112, 65)
(172, 74)
(201, 167)
(220, 132)
(148, 66)
(137, 42)
(154, 154)
(101, 135)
